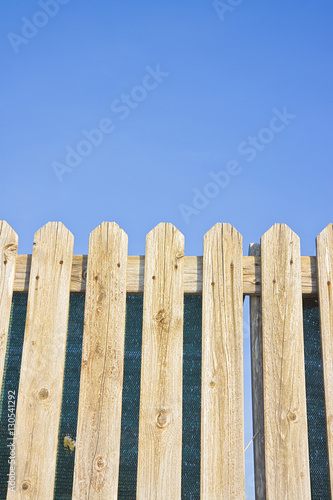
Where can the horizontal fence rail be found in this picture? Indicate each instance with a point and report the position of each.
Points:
(192, 274)
(277, 279)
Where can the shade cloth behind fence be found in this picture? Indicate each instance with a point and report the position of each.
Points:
(131, 394)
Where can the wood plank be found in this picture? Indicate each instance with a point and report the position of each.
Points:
(257, 389)
(222, 411)
(192, 275)
(286, 435)
(8, 252)
(160, 424)
(99, 417)
(325, 285)
(42, 368)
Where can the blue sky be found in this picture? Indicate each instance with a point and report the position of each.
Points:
(219, 80)
(225, 78)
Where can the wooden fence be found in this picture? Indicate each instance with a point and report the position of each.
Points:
(274, 275)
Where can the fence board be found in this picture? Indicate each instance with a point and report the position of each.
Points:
(222, 429)
(286, 437)
(257, 389)
(160, 425)
(8, 249)
(43, 359)
(325, 282)
(99, 417)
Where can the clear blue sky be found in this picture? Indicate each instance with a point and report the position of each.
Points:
(181, 92)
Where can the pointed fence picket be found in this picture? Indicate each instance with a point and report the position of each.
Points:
(160, 424)
(8, 251)
(275, 277)
(99, 417)
(325, 285)
(43, 361)
(285, 419)
(222, 415)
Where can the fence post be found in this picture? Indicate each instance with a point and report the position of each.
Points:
(257, 388)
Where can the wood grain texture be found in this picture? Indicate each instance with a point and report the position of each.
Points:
(257, 389)
(160, 424)
(42, 368)
(8, 252)
(192, 274)
(100, 401)
(325, 285)
(222, 412)
(286, 435)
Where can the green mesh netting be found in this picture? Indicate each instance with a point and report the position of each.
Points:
(11, 379)
(131, 394)
(315, 402)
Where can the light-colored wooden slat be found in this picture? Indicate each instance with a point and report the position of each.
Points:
(286, 436)
(192, 274)
(325, 285)
(99, 417)
(8, 252)
(257, 389)
(222, 410)
(43, 360)
(160, 424)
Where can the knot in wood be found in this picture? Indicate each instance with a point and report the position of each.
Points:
(9, 251)
(292, 416)
(161, 316)
(43, 394)
(163, 419)
(26, 485)
(100, 464)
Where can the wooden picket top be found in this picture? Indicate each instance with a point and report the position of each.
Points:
(160, 424)
(276, 278)
(8, 251)
(99, 417)
(43, 361)
(222, 427)
(286, 434)
(325, 281)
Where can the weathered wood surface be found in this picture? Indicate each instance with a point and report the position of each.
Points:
(325, 275)
(257, 389)
(160, 424)
(222, 411)
(99, 417)
(8, 252)
(192, 274)
(286, 436)
(43, 360)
